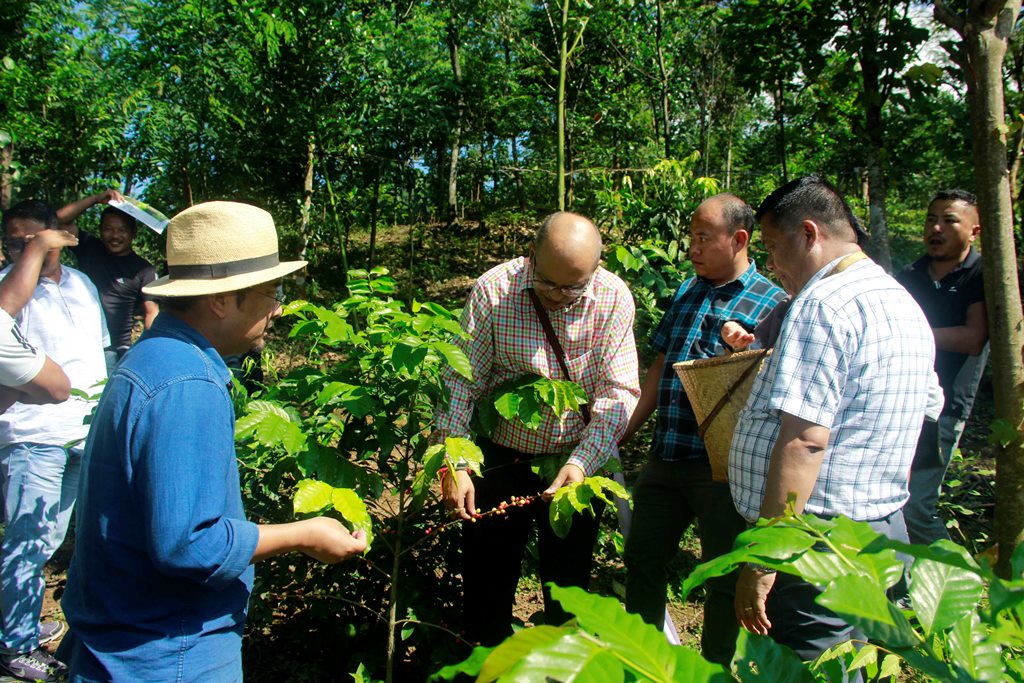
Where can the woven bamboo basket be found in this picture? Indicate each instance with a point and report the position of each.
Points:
(726, 380)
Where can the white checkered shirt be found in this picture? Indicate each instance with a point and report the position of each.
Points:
(855, 355)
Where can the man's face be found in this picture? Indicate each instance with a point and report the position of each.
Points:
(18, 229)
(949, 229)
(712, 248)
(787, 257)
(255, 313)
(560, 282)
(116, 235)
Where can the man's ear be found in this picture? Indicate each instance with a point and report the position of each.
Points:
(219, 304)
(975, 232)
(740, 239)
(811, 232)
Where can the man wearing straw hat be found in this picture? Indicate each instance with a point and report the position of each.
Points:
(160, 580)
(676, 485)
(825, 418)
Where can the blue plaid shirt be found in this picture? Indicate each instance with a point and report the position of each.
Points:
(692, 329)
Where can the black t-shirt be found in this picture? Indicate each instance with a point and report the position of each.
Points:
(119, 280)
(945, 304)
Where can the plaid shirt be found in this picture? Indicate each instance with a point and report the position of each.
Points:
(506, 341)
(691, 329)
(855, 355)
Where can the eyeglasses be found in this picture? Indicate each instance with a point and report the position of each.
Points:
(574, 291)
(277, 296)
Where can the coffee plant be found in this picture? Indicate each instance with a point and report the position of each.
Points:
(347, 434)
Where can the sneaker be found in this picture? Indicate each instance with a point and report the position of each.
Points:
(50, 631)
(38, 665)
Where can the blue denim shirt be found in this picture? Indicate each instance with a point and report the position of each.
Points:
(159, 584)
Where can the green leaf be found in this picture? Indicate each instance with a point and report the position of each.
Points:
(759, 659)
(943, 594)
(470, 666)
(623, 632)
(507, 655)
(862, 602)
(355, 399)
(691, 666)
(971, 654)
(1003, 433)
(560, 512)
(312, 496)
(458, 449)
(507, 405)
(529, 411)
(352, 508)
(571, 658)
(455, 357)
(408, 356)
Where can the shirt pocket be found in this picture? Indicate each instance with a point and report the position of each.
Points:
(581, 367)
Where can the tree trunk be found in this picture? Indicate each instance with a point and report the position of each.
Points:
(878, 191)
(664, 81)
(6, 185)
(563, 65)
(374, 210)
(780, 122)
(874, 135)
(518, 175)
(453, 168)
(985, 32)
(307, 200)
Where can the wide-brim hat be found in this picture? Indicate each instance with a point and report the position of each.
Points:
(218, 247)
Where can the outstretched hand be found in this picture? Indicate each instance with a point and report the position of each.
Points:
(569, 474)
(735, 336)
(752, 590)
(328, 541)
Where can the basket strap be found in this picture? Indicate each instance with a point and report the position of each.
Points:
(706, 422)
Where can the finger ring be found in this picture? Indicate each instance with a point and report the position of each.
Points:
(748, 609)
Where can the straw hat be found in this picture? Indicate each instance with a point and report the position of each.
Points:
(718, 389)
(218, 247)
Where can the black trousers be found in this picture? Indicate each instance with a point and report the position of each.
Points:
(492, 548)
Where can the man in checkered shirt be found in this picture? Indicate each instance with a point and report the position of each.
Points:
(675, 487)
(591, 311)
(835, 412)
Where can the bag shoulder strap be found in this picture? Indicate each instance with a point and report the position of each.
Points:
(549, 332)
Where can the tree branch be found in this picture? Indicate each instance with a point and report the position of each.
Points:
(947, 17)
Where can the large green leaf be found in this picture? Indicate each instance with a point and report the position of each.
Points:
(627, 634)
(455, 358)
(408, 355)
(972, 655)
(507, 405)
(851, 537)
(691, 666)
(312, 496)
(507, 655)
(759, 659)
(458, 449)
(470, 666)
(862, 602)
(348, 503)
(354, 398)
(529, 410)
(942, 594)
(570, 659)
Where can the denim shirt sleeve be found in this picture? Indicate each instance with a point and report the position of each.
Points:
(186, 482)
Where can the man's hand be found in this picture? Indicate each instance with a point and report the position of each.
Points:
(735, 336)
(569, 474)
(752, 590)
(458, 494)
(107, 195)
(49, 240)
(328, 541)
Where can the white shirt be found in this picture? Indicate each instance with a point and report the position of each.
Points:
(855, 355)
(65, 321)
(20, 362)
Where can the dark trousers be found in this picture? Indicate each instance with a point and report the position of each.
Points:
(667, 498)
(492, 548)
(803, 625)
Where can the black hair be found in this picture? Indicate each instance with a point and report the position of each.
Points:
(957, 195)
(33, 210)
(129, 221)
(809, 198)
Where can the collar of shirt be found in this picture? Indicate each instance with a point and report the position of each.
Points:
(826, 270)
(742, 282)
(167, 325)
(972, 259)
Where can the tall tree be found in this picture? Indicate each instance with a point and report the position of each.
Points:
(985, 29)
